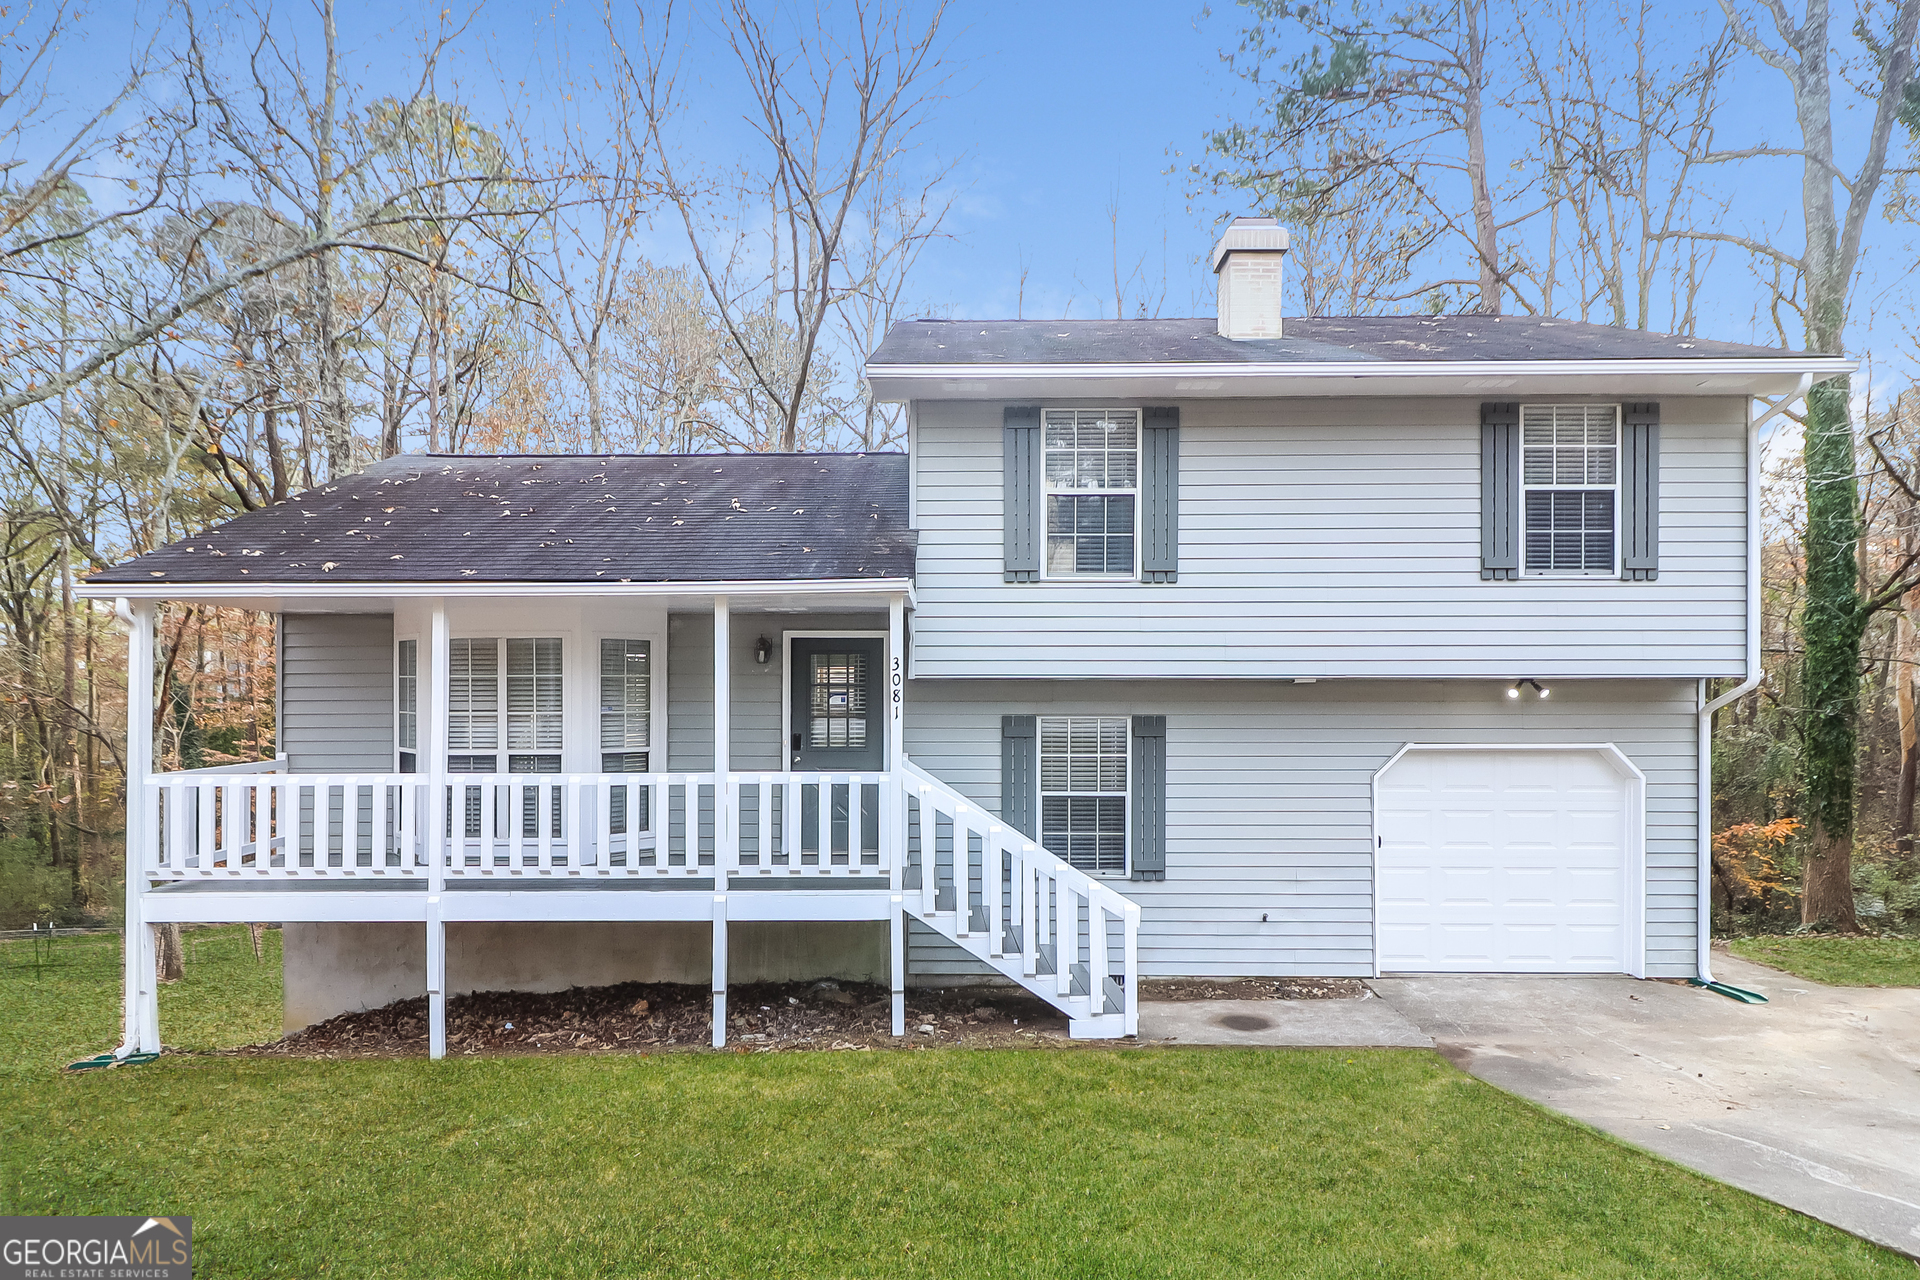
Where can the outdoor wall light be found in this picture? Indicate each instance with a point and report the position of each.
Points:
(763, 651)
(1535, 685)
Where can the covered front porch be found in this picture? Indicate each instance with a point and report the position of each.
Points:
(456, 784)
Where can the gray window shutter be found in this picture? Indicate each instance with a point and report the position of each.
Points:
(1020, 775)
(1149, 798)
(1160, 496)
(1640, 492)
(1499, 491)
(1021, 522)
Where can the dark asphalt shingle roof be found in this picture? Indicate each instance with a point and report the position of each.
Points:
(1388, 339)
(624, 518)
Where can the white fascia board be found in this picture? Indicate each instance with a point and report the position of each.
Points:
(1202, 381)
(214, 593)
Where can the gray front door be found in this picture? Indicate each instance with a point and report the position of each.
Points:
(838, 721)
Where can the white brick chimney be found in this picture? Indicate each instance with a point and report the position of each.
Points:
(1247, 264)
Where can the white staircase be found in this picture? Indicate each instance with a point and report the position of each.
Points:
(1058, 932)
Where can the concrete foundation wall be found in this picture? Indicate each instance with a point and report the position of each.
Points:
(331, 969)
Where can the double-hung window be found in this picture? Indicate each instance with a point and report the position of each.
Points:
(1083, 790)
(406, 696)
(626, 705)
(1570, 481)
(1092, 492)
(536, 706)
(533, 726)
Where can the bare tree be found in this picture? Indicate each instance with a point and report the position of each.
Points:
(1389, 95)
(588, 236)
(1816, 284)
(836, 107)
(1623, 117)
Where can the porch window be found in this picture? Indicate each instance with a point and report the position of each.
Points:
(837, 701)
(473, 705)
(626, 705)
(534, 700)
(406, 696)
(1570, 473)
(536, 708)
(1083, 790)
(1093, 478)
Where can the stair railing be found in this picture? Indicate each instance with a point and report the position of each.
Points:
(1028, 913)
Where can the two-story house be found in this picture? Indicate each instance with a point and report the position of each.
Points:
(1228, 646)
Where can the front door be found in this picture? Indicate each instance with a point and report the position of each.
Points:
(838, 717)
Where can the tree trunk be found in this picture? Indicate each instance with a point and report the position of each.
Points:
(1904, 656)
(255, 933)
(1485, 229)
(166, 951)
(1831, 625)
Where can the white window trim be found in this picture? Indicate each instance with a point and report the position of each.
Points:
(1040, 794)
(420, 661)
(1045, 492)
(656, 713)
(1619, 462)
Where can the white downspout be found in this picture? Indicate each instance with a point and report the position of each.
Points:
(1759, 415)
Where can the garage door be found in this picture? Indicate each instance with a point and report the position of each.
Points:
(1503, 861)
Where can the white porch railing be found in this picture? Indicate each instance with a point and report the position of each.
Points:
(1068, 937)
(267, 825)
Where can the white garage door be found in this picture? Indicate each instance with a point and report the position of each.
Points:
(1502, 861)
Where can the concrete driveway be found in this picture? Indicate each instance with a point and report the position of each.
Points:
(1812, 1101)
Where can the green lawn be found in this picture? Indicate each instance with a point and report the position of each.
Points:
(1838, 961)
(932, 1163)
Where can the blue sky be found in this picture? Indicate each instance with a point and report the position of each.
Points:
(1059, 110)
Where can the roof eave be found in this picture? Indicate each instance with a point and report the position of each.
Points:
(1707, 375)
(214, 592)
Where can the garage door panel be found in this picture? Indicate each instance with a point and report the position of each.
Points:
(1502, 860)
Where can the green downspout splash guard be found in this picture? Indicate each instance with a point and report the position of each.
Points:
(108, 1060)
(1732, 993)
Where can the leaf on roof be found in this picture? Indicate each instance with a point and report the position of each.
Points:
(329, 566)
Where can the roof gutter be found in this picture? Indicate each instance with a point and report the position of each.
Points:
(1762, 413)
(1373, 370)
(160, 590)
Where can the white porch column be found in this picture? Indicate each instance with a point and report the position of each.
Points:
(722, 824)
(433, 745)
(142, 1013)
(897, 788)
(897, 950)
(896, 682)
(722, 690)
(719, 970)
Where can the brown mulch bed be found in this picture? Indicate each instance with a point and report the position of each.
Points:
(1252, 989)
(655, 1017)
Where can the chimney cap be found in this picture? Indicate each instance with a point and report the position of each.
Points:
(1250, 235)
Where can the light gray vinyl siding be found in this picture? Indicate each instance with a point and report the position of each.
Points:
(1269, 801)
(689, 692)
(1326, 538)
(758, 692)
(336, 692)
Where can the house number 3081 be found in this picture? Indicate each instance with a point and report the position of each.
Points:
(896, 687)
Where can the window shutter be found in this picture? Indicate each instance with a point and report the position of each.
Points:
(1019, 775)
(1640, 492)
(1149, 798)
(1499, 491)
(1160, 495)
(1021, 531)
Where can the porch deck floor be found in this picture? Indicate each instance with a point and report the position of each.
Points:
(497, 883)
